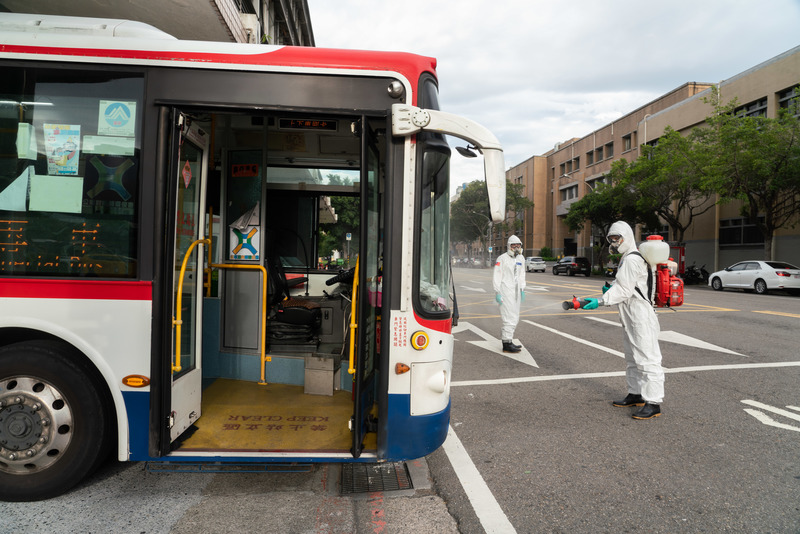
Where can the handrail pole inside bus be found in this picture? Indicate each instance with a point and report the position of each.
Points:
(264, 357)
(210, 237)
(353, 324)
(177, 321)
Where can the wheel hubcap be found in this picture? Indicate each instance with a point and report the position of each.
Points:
(35, 425)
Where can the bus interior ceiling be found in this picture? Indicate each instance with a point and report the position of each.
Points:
(283, 189)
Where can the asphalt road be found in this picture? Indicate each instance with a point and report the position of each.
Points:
(535, 444)
(557, 457)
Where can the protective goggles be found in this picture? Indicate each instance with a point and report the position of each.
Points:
(515, 246)
(614, 239)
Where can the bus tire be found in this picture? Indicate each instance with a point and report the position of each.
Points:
(54, 427)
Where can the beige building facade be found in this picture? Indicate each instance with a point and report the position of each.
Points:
(560, 177)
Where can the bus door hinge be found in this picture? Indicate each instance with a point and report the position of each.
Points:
(171, 420)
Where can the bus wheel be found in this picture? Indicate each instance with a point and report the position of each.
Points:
(54, 429)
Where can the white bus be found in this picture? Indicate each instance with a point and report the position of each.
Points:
(215, 252)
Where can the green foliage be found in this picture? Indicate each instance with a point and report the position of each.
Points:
(545, 252)
(333, 236)
(756, 160)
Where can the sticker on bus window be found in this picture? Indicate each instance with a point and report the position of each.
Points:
(244, 243)
(62, 143)
(116, 118)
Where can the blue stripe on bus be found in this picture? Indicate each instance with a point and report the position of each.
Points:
(137, 404)
(413, 436)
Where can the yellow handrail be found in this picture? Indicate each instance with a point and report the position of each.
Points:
(264, 357)
(177, 321)
(353, 321)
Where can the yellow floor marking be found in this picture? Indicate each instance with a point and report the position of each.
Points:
(246, 416)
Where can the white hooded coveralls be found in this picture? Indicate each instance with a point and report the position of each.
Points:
(644, 373)
(509, 282)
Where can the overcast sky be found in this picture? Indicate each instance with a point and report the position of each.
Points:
(536, 72)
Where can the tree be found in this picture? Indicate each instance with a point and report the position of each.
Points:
(469, 216)
(516, 203)
(757, 161)
(671, 180)
(333, 236)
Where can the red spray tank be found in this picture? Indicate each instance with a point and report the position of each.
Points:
(669, 288)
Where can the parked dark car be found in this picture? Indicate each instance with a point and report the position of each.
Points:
(573, 265)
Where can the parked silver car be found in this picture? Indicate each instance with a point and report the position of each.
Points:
(759, 276)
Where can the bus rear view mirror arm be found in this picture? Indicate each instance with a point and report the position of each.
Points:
(409, 120)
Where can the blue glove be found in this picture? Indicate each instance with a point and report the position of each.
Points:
(522, 296)
(606, 287)
(591, 304)
(499, 298)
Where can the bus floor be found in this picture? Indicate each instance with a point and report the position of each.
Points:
(248, 417)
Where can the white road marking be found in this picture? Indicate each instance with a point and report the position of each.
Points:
(536, 288)
(579, 340)
(477, 289)
(676, 337)
(767, 420)
(522, 379)
(493, 344)
(486, 507)
(773, 409)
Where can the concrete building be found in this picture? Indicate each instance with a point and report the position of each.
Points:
(558, 178)
(277, 22)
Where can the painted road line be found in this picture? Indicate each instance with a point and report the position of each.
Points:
(486, 507)
(579, 340)
(773, 409)
(767, 420)
(681, 339)
(782, 314)
(699, 368)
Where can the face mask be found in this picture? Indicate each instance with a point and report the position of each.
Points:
(516, 250)
(613, 243)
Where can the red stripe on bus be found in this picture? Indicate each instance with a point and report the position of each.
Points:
(444, 325)
(409, 65)
(75, 289)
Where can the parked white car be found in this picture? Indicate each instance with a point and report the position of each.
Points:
(760, 276)
(534, 263)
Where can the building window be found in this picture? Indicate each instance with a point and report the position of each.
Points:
(738, 231)
(563, 170)
(589, 158)
(626, 142)
(789, 96)
(568, 193)
(756, 108)
(576, 164)
(598, 154)
(609, 150)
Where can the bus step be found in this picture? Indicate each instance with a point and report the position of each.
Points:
(366, 478)
(219, 467)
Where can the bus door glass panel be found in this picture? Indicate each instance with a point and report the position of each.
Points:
(192, 164)
(242, 228)
(369, 296)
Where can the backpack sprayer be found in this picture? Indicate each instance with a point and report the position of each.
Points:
(669, 288)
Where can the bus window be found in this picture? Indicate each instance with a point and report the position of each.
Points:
(69, 172)
(434, 228)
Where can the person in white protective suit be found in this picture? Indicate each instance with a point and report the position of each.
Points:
(509, 288)
(644, 373)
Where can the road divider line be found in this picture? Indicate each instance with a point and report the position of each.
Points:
(699, 368)
(579, 340)
(486, 507)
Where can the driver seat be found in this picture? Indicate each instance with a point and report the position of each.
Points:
(289, 318)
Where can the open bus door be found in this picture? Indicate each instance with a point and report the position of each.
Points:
(368, 308)
(188, 168)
